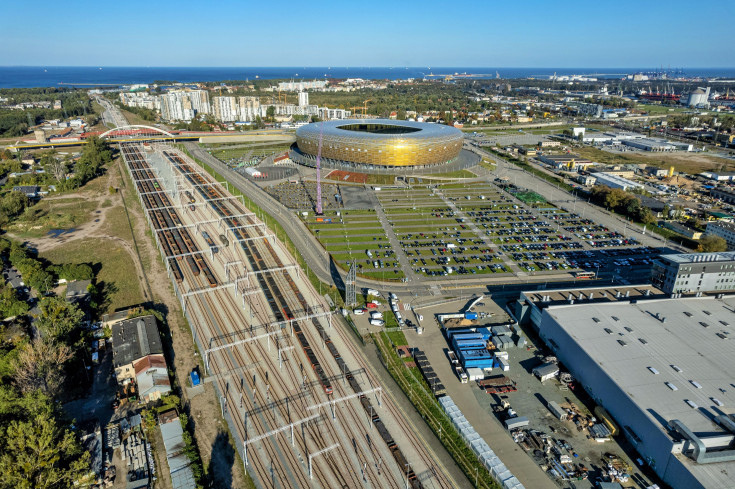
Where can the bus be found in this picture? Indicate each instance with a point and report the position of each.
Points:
(585, 275)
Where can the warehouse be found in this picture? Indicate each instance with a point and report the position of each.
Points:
(614, 181)
(663, 369)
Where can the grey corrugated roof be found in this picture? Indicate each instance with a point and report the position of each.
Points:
(178, 463)
(135, 338)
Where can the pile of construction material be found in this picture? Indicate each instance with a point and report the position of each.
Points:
(555, 456)
(437, 388)
(134, 452)
(483, 451)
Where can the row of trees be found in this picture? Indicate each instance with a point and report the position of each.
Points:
(622, 202)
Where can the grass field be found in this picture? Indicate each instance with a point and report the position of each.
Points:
(454, 174)
(114, 267)
(38, 220)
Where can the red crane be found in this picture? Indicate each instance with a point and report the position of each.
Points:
(319, 171)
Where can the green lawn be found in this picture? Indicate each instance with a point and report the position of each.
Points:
(114, 267)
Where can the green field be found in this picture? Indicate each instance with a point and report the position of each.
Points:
(114, 267)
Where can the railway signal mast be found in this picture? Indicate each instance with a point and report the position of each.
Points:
(319, 172)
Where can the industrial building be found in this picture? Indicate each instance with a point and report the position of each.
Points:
(693, 273)
(570, 162)
(615, 181)
(699, 98)
(656, 145)
(530, 306)
(723, 229)
(682, 229)
(664, 370)
(723, 194)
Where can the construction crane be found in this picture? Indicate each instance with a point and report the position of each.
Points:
(319, 171)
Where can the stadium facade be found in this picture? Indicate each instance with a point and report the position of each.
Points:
(377, 144)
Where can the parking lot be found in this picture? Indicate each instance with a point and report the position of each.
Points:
(356, 235)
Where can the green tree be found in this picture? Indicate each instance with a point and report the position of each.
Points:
(39, 454)
(614, 198)
(13, 204)
(401, 116)
(10, 304)
(270, 113)
(710, 243)
(58, 318)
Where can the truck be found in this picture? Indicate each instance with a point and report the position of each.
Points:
(371, 305)
(376, 315)
(369, 253)
(393, 297)
(377, 322)
(373, 292)
(453, 357)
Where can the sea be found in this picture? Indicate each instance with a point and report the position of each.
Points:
(109, 76)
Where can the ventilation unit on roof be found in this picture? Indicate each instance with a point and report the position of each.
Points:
(596, 320)
(692, 404)
(676, 368)
(615, 318)
(717, 401)
(628, 329)
(707, 313)
(643, 341)
(671, 386)
(622, 343)
(688, 314)
(695, 384)
(653, 370)
(704, 324)
(608, 331)
(724, 323)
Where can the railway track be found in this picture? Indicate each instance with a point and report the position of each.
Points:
(257, 405)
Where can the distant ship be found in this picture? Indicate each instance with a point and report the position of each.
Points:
(658, 96)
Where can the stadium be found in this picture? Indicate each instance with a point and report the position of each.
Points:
(383, 146)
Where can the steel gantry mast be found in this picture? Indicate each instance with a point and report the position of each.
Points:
(319, 171)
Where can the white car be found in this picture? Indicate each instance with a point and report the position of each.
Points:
(358, 312)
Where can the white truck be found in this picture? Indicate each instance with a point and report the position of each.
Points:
(377, 322)
(373, 292)
(376, 315)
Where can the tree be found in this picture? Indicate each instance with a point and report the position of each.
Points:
(614, 197)
(710, 243)
(401, 116)
(13, 204)
(448, 120)
(10, 304)
(39, 454)
(270, 113)
(40, 366)
(56, 167)
(58, 318)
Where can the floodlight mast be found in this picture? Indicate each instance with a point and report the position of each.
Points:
(319, 171)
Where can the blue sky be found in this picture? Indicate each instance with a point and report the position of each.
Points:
(619, 33)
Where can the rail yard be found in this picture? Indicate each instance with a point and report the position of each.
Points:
(303, 408)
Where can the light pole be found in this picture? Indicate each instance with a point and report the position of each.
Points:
(407, 466)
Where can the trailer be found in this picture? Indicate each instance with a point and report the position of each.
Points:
(475, 374)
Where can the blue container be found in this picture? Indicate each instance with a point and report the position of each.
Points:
(195, 380)
(470, 315)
